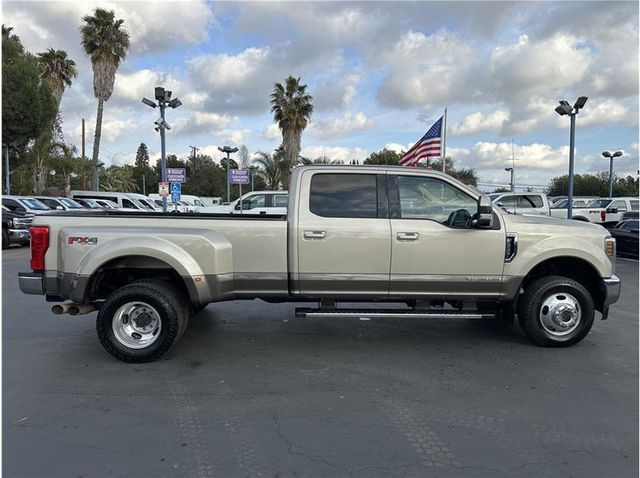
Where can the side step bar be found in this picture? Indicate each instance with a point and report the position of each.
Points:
(391, 313)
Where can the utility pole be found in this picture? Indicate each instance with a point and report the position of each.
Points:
(194, 151)
(7, 174)
(82, 138)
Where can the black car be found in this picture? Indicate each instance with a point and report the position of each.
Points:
(626, 235)
(629, 215)
(15, 227)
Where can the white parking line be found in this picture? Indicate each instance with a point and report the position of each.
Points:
(626, 259)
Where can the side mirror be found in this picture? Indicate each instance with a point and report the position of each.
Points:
(484, 217)
(612, 210)
(60, 208)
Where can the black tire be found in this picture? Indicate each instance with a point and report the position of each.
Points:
(164, 298)
(530, 307)
(196, 309)
(5, 239)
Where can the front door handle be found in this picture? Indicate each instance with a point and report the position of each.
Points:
(314, 234)
(407, 236)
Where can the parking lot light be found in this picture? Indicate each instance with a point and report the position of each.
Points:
(565, 109)
(228, 150)
(609, 155)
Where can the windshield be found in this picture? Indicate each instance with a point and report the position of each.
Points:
(108, 204)
(34, 204)
(70, 203)
(560, 204)
(147, 203)
(599, 203)
(91, 204)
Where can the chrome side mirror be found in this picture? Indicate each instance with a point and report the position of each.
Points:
(484, 217)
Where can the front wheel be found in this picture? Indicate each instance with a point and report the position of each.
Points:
(5, 239)
(556, 311)
(141, 321)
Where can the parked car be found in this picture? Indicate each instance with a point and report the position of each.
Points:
(61, 203)
(626, 235)
(255, 202)
(606, 211)
(89, 203)
(522, 203)
(559, 208)
(15, 227)
(146, 201)
(174, 207)
(123, 200)
(629, 215)
(211, 201)
(371, 234)
(25, 204)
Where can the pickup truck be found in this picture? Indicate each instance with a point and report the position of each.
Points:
(409, 242)
(604, 211)
(254, 202)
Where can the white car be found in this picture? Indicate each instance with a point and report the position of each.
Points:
(606, 210)
(522, 203)
(61, 203)
(256, 202)
(25, 204)
(123, 200)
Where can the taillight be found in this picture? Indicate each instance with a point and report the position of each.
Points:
(603, 216)
(39, 246)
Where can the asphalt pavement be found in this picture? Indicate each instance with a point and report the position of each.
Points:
(252, 391)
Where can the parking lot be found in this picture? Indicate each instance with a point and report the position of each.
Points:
(252, 391)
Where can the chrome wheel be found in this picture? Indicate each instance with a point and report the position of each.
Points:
(136, 325)
(560, 314)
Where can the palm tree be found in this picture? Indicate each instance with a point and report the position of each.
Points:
(106, 42)
(271, 168)
(57, 70)
(291, 108)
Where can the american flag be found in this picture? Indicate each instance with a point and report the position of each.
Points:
(429, 146)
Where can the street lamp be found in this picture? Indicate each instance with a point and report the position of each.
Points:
(565, 109)
(228, 150)
(512, 185)
(609, 155)
(163, 97)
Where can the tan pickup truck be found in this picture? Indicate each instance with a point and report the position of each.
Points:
(412, 242)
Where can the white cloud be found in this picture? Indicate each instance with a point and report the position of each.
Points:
(272, 132)
(131, 87)
(341, 126)
(398, 148)
(480, 122)
(601, 112)
(199, 122)
(336, 153)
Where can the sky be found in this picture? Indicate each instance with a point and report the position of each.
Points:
(380, 74)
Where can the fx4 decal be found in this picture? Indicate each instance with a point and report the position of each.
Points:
(83, 241)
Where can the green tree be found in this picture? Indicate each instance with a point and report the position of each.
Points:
(57, 70)
(117, 178)
(142, 156)
(106, 42)
(466, 175)
(28, 107)
(292, 108)
(386, 156)
(502, 190)
(596, 185)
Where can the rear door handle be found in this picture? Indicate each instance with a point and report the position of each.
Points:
(314, 234)
(407, 236)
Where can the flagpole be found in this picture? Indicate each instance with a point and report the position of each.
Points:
(444, 140)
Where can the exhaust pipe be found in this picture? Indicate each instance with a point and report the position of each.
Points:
(59, 309)
(81, 309)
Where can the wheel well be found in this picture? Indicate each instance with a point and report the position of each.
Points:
(574, 268)
(580, 218)
(122, 271)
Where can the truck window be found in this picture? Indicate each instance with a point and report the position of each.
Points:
(258, 200)
(12, 205)
(634, 204)
(431, 198)
(280, 200)
(620, 205)
(344, 195)
(129, 204)
(530, 200)
(507, 201)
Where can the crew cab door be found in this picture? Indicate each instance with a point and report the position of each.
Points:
(343, 235)
(435, 251)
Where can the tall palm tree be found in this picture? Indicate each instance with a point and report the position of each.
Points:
(58, 70)
(291, 107)
(106, 42)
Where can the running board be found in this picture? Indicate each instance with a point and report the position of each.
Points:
(391, 313)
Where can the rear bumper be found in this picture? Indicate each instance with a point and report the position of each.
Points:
(31, 282)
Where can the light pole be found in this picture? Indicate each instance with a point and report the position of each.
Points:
(228, 150)
(609, 155)
(512, 184)
(163, 97)
(565, 109)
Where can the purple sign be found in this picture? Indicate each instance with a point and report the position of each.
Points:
(176, 175)
(239, 176)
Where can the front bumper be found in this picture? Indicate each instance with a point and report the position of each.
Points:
(31, 282)
(611, 294)
(19, 236)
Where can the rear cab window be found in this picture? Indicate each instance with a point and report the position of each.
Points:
(344, 195)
